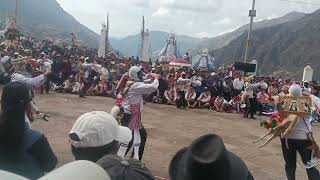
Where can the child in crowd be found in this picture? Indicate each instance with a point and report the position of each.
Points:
(203, 100)
(91, 91)
(219, 103)
(262, 98)
(273, 89)
(67, 85)
(101, 88)
(191, 96)
(171, 95)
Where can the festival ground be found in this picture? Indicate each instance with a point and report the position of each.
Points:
(169, 129)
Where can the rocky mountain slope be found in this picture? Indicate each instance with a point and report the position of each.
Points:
(285, 48)
(46, 19)
(225, 39)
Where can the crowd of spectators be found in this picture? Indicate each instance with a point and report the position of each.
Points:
(78, 70)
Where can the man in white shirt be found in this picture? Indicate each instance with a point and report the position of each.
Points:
(45, 64)
(183, 84)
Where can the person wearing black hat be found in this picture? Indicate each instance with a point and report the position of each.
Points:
(205, 159)
(125, 169)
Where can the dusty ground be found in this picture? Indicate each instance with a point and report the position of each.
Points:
(169, 129)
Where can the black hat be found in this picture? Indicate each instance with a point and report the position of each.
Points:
(124, 169)
(207, 159)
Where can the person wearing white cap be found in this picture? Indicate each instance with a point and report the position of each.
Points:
(78, 170)
(96, 134)
(132, 91)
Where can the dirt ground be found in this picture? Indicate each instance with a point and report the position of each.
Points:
(169, 130)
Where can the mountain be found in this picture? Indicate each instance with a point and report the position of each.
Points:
(284, 49)
(46, 19)
(225, 39)
(129, 45)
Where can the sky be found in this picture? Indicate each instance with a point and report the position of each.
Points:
(196, 18)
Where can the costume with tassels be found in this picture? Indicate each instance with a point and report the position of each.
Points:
(131, 88)
(294, 129)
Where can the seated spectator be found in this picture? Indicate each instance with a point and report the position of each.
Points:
(119, 168)
(273, 89)
(233, 106)
(67, 85)
(96, 134)
(171, 95)
(191, 96)
(203, 100)
(206, 159)
(219, 103)
(77, 87)
(23, 151)
(101, 88)
(92, 90)
(284, 90)
(262, 99)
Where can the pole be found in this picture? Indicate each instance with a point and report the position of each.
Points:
(107, 34)
(252, 14)
(16, 11)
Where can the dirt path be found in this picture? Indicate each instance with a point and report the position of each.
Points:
(169, 130)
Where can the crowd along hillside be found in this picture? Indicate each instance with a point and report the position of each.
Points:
(45, 19)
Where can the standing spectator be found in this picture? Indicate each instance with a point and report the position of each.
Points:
(86, 78)
(197, 86)
(23, 151)
(45, 65)
(183, 83)
(250, 97)
(238, 85)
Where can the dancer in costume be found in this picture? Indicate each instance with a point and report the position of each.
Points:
(131, 90)
(296, 136)
(20, 73)
(301, 140)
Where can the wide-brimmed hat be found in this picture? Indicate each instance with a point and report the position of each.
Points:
(206, 159)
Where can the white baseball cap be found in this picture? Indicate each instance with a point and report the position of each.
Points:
(98, 128)
(79, 170)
